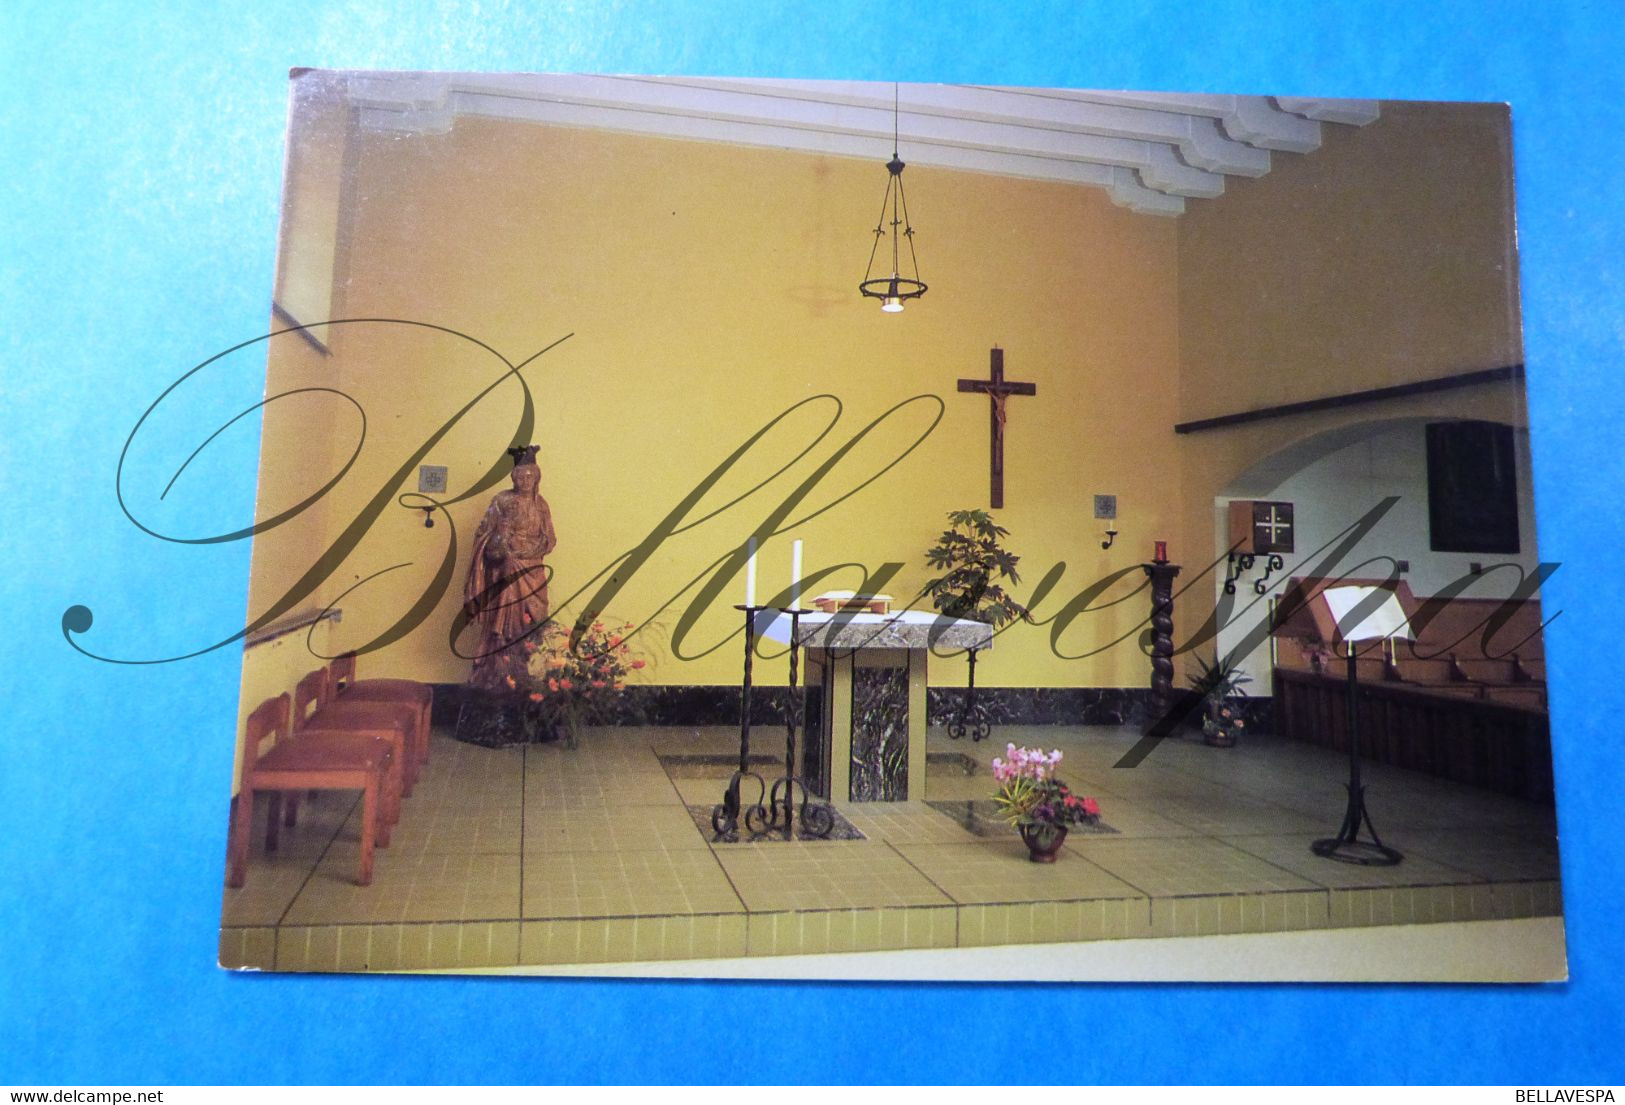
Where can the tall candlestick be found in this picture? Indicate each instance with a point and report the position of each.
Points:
(795, 575)
(750, 575)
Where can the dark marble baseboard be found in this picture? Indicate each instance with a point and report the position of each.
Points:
(717, 704)
(1043, 705)
(1188, 711)
(1259, 713)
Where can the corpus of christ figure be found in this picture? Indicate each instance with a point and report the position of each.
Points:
(998, 391)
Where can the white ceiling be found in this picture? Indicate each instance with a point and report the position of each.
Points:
(1150, 151)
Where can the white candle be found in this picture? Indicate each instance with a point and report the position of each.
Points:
(750, 575)
(795, 575)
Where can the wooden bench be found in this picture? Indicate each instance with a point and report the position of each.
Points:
(1466, 699)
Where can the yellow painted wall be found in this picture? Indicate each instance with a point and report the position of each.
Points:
(308, 430)
(312, 199)
(305, 438)
(1385, 257)
(708, 288)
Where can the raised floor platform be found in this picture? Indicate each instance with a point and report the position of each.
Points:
(542, 855)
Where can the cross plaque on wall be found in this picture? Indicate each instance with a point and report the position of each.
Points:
(1260, 527)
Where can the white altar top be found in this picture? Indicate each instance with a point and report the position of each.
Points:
(905, 629)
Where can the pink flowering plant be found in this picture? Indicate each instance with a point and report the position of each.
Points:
(1030, 794)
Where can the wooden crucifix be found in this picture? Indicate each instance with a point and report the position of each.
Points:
(998, 391)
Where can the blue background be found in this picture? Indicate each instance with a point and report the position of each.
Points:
(140, 162)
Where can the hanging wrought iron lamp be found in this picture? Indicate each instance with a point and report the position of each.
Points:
(893, 290)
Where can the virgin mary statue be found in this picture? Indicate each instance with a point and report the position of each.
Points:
(506, 591)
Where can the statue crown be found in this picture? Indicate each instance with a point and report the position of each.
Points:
(523, 454)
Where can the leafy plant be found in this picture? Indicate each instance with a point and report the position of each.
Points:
(1217, 683)
(1221, 679)
(972, 560)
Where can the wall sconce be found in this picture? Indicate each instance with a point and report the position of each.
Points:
(1106, 510)
(431, 480)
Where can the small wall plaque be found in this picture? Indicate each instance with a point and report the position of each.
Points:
(1260, 527)
(432, 477)
(1106, 506)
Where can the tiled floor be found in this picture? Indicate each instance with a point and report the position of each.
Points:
(546, 855)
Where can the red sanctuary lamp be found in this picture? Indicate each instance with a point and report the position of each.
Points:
(1160, 556)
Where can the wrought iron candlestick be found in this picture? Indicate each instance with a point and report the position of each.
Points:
(817, 819)
(725, 816)
(1162, 574)
(972, 717)
(1346, 846)
(776, 809)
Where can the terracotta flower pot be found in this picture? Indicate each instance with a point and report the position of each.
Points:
(1043, 841)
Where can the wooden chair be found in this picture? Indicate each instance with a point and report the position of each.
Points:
(300, 763)
(391, 725)
(400, 691)
(315, 706)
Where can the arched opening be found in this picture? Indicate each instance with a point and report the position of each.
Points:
(1336, 481)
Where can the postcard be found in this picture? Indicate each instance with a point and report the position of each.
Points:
(823, 528)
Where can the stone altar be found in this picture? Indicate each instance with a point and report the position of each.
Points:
(865, 682)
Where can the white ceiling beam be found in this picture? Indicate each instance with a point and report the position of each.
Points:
(1356, 113)
(922, 119)
(643, 106)
(1206, 147)
(1257, 122)
(1149, 150)
(1166, 173)
(1199, 140)
(1249, 119)
(1126, 190)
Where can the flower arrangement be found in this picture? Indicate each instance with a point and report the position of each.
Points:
(571, 685)
(1036, 802)
(1218, 683)
(1222, 725)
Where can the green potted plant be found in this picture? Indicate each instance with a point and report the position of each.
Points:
(972, 562)
(1217, 683)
